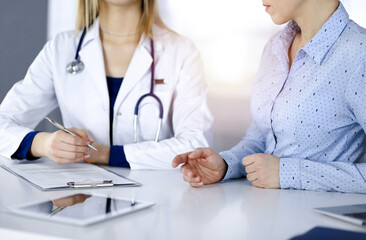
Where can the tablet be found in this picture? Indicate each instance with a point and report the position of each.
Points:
(352, 213)
(80, 209)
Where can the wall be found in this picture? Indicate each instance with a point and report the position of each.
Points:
(23, 27)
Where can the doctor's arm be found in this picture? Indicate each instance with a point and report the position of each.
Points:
(25, 105)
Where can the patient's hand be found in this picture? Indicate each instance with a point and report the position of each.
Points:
(200, 167)
(262, 170)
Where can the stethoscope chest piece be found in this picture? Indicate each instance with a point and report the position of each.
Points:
(75, 66)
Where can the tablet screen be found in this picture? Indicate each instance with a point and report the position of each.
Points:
(80, 209)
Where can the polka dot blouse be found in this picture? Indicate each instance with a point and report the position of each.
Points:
(312, 116)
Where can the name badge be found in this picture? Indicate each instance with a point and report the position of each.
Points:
(159, 81)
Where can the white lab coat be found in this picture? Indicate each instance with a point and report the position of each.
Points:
(84, 100)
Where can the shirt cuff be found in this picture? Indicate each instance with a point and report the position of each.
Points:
(23, 150)
(117, 157)
(290, 173)
(234, 167)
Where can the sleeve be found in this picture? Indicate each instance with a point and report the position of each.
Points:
(117, 157)
(252, 143)
(27, 102)
(23, 149)
(335, 176)
(191, 119)
(309, 175)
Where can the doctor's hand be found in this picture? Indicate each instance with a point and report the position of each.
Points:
(100, 157)
(262, 170)
(62, 147)
(200, 167)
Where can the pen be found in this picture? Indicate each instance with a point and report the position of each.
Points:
(57, 210)
(58, 125)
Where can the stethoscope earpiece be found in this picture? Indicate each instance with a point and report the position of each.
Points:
(75, 66)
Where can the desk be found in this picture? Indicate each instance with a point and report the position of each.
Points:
(232, 210)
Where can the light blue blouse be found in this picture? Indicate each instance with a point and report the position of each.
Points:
(313, 116)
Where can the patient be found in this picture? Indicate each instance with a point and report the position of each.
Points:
(308, 107)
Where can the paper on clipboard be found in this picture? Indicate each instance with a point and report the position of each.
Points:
(48, 175)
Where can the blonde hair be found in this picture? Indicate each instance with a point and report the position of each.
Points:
(88, 11)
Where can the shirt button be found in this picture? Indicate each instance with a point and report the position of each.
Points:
(103, 109)
(119, 114)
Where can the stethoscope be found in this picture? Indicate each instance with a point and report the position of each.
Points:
(77, 66)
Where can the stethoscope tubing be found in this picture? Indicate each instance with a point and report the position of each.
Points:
(77, 57)
(150, 94)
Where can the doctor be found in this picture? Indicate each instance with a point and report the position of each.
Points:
(97, 77)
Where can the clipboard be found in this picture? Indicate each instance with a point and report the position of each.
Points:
(47, 175)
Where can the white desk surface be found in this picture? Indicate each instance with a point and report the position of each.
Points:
(231, 210)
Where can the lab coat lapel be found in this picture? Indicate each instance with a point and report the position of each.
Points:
(139, 66)
(92, 56)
